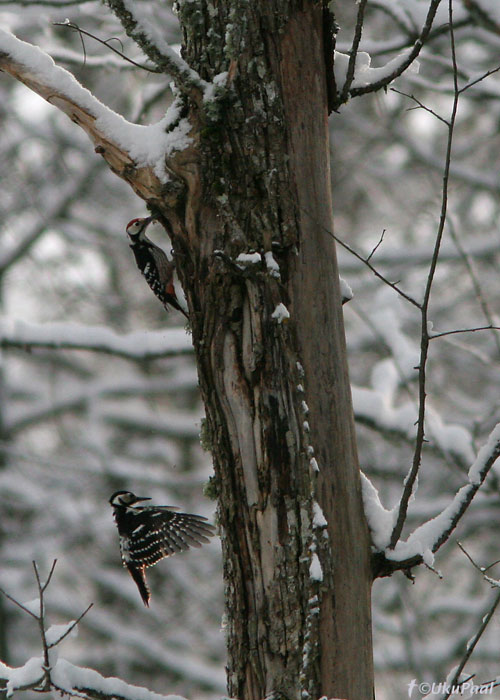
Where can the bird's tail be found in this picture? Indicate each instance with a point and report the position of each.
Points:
(139, 576)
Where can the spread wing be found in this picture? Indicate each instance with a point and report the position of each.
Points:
(159, 533)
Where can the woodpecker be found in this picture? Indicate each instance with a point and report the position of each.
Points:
(158, 271)
(151, 533)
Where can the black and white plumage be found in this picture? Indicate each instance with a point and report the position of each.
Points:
(151, 533)
(158, 271)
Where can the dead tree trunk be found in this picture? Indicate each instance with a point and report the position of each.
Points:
(279, 416)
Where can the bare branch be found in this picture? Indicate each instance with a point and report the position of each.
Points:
(421, 105)
(374, 250)
(19, 605)
(485, 620)
(469, 265)
(367, 262)
(72, 626)
(424, 309)
(433, 336)
(351, 67)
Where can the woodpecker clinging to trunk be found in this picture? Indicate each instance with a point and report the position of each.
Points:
(151, 533)
(159, 272)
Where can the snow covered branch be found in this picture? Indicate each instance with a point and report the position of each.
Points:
(422, 544)
(48, 672)
(136, 153)
(72, 336)
(358, 78)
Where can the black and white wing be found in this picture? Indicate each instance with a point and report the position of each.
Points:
(159, 532)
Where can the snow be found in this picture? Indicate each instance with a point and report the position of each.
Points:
(137, 345)
(69, 678)
(345, 290)
(483, 455)
(281, 313)
(55, 633)
(272, 266)
(29, 674)
(315, 570)
(146, 145)
(314, 464)
(425, 537)
(365, 75)
(319, 519)
(380, 521)
(249, 258)
(219, 81)
(33, 606)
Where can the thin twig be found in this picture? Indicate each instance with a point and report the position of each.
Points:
(41, 622)
(366, 261)
(424, 309)
(19, 605)
(480, 79)
(433, 336)
(375, 248)
(473, 642)
(71, 627)
(104, 42)
(421, 105)
(469, 265)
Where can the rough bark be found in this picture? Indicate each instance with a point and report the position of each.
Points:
(276, 394)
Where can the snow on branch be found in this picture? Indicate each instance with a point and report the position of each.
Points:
(136, 153)
(430, 536)
(50, 673)
(140, 345)
(358, 78)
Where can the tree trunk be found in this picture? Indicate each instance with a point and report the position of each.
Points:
(276, 390)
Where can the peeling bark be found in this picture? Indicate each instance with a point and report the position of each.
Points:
(277, 393)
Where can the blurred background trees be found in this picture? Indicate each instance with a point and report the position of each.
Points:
(76, 425)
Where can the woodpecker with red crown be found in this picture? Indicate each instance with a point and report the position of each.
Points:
(159, 272)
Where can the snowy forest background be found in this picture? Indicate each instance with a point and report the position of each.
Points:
(77, 424)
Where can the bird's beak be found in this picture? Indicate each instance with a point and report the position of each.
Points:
(142, 498)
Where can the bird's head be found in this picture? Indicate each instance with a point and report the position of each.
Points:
(125, 499)
(137, 227)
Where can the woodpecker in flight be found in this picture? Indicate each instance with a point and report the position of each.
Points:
(151, 533)
(159, 272)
